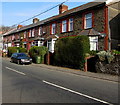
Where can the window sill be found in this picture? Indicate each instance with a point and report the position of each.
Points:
(87, 28)
(66, 32)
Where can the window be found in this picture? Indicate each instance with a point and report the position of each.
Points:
(88, 21)
(53, 28)
(33, 32)
(64, 26)
(35, 43)
(13, 37)
(40, 31)
(40, 43)
(25, 34)
(94, 43)
(18, 36)
(50, 45)
(71, 24)
(30, 33)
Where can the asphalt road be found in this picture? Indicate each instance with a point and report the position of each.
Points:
(32, 84)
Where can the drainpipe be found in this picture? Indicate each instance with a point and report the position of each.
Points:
(106, 29)
(109, 33)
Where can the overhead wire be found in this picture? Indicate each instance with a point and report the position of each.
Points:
(39, 13)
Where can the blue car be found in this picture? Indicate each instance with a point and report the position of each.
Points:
(21, 58)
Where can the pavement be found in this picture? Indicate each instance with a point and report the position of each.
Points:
(108, 77)
(102, 76)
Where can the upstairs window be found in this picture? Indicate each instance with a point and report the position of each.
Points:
(30, 33)
(71, 24)
(64, 26)
(13, 37)
(25, 34)
(88, 21)
(18, 36)
(40, 31)
(53, 30)
(33, 32)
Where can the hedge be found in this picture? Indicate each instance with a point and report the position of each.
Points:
(37, 51)
(71, 51)
(12, 50)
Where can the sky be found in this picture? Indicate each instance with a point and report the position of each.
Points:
(16, 11)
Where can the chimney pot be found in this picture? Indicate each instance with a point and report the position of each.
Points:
(35, 20)
(19, 26)
(62, 8)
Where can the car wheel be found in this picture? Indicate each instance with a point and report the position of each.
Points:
(18, 62)
(11, 60)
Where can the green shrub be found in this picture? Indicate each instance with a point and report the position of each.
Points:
(93, 53)
(105, 56)
(115, 52)
(71, 51)
(37, 51)
(21, 50)
(12, 50)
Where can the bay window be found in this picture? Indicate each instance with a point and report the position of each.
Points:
(50, 45)
(93, 43)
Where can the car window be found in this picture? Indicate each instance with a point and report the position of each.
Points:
(22, 55)
(13, 55)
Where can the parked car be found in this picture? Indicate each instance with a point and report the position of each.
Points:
(21, 58)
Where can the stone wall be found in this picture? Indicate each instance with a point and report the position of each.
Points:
(98, 22)
(111, 68)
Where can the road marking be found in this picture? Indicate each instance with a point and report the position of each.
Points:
(78, 93)
(16, 71)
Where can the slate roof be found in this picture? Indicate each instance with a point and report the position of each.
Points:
(90, 32)
(66, 13)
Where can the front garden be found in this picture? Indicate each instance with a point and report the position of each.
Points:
(72, 52)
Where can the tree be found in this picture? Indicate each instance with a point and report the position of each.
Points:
(4, 29)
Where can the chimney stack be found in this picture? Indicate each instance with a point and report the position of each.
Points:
(35, 20)
(19, 26)
(62, 8)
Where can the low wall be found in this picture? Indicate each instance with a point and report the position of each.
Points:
(111, 68)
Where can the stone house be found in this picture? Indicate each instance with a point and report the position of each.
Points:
(91, 19)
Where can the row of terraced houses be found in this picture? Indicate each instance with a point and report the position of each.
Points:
(97, 20)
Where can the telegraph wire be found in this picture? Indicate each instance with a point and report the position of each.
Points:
(40, 13)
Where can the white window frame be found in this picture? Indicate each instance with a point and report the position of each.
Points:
(64, 26)
(70, 24)
(93, 43)
(40, 43)
(30, 31)
(13, 37)
(33, 32)
(52, 42)
(40, 31)
(25, 34)
(88, 18)
(53, 30)
(35, 43)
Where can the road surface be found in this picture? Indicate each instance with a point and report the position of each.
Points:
(33, 84)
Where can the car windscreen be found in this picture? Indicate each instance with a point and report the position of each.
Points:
(22, 55)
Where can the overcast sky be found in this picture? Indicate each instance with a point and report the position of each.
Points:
(15, 12)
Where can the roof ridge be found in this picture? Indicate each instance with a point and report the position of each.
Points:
(70, 11)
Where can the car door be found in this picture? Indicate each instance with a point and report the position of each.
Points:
(12, 58)
(15, 58)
